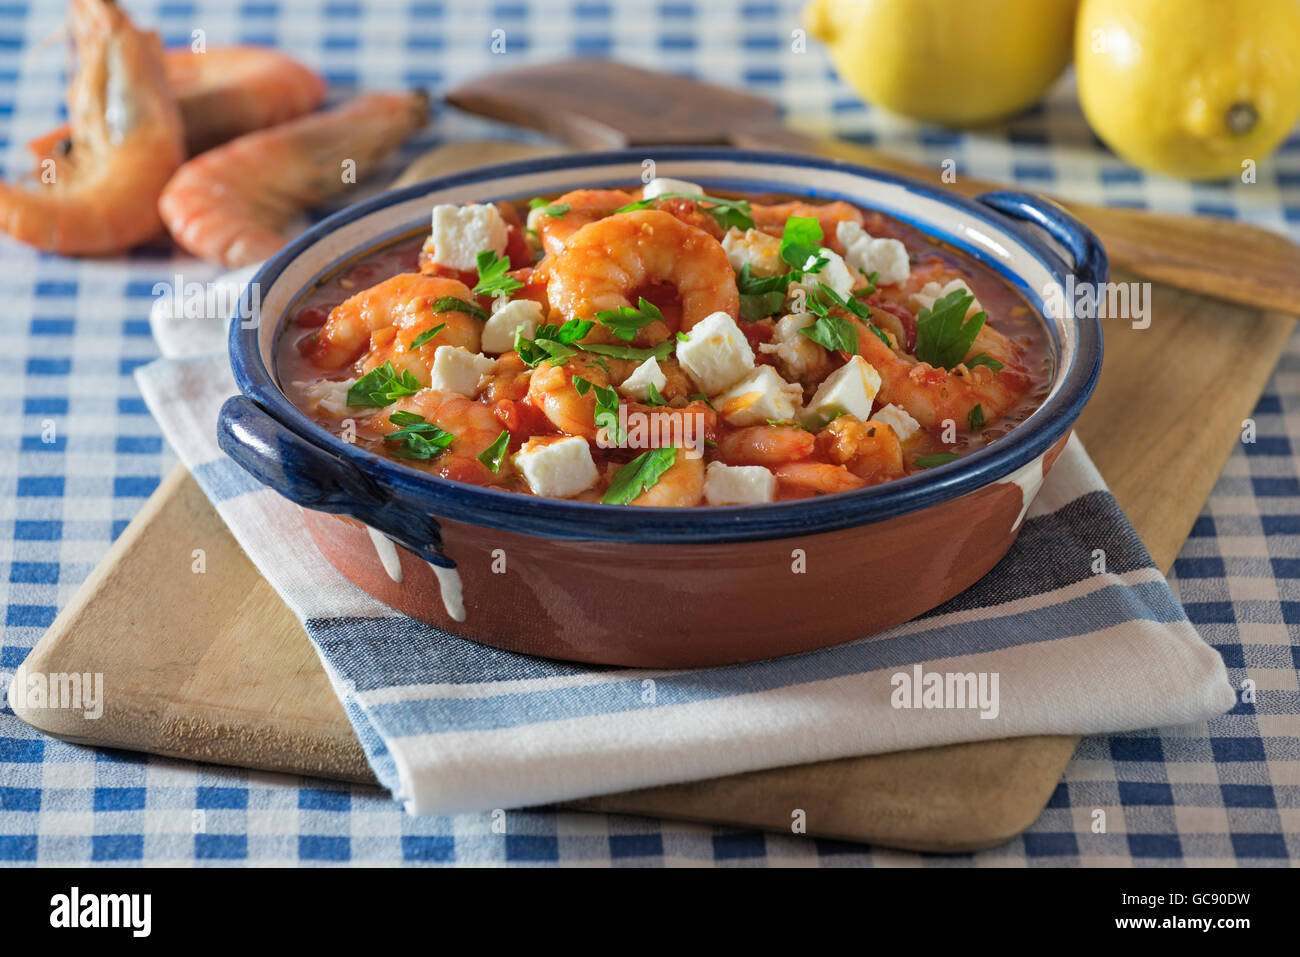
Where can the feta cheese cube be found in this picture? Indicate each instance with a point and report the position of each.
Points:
(461, 232)
(886, 257)
(760, 396)
(849, 390)
(455, 370)
(898, 419)
(835, 273)
(557, 468)
(756, 249)
(663, 184)
(738, 484)
(331, 397)
(931, 292)
(715, 353)
(499, 331)
(648, 373)
(795, 356)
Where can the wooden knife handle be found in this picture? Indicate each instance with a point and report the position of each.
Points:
(1216, 257)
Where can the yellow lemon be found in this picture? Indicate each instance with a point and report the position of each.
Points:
(1194, 88)
(957, 62)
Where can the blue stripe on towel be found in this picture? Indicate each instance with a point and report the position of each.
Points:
(1107, 606)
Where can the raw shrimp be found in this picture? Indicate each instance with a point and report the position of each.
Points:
(585, 206)
(933, 395)
(607, 262)
(222, 93)
(231, 204)
(681, 486)
(765, 445)
(388, 317)
(125, 141)
(551, 389)
(771, 219)
(472, 424)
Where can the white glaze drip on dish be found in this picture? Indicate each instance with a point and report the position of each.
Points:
(387, 552)
(1030, 479)
(453, 598)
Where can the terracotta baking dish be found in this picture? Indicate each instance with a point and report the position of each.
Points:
(666, 587)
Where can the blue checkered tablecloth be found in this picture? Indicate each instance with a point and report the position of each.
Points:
(72, 332)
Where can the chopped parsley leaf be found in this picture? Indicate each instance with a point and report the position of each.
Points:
(626, 321)
(382, 386)
(642, 473)
(606, 407)
(943, 335)
(760, 296)
(453, 304)
(492, 278)
(975, 418)
(801, 244)
(833, 333)
(653, 398)
(425, 336)
(552, 342)
(494, 453)
(984, 359)
(660, 352)
(420, 439)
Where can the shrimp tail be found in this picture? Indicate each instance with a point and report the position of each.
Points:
(232, 204)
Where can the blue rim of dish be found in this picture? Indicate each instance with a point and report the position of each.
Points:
(590, 521)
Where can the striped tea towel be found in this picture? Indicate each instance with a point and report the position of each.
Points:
(1074, 632)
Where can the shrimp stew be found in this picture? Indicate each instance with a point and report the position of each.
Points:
(658, 346)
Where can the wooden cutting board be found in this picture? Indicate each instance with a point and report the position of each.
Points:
(228, 676)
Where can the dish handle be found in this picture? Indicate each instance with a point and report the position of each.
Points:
(1091, 265)
(281, 459)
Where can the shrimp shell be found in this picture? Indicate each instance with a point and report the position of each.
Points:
(231, 204)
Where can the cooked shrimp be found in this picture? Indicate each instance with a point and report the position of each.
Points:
(222, 93)
(226, 92)
(472, 424)
(509, 380)
(231, 204)
(933, 395)
(381, 322)
(606, 263)
(771, 219)
(584, 206)
(766, 445)
(819, 477)
(691, 425)
(870, 450)
(681, 486)
(125, 142)
(551, 389)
